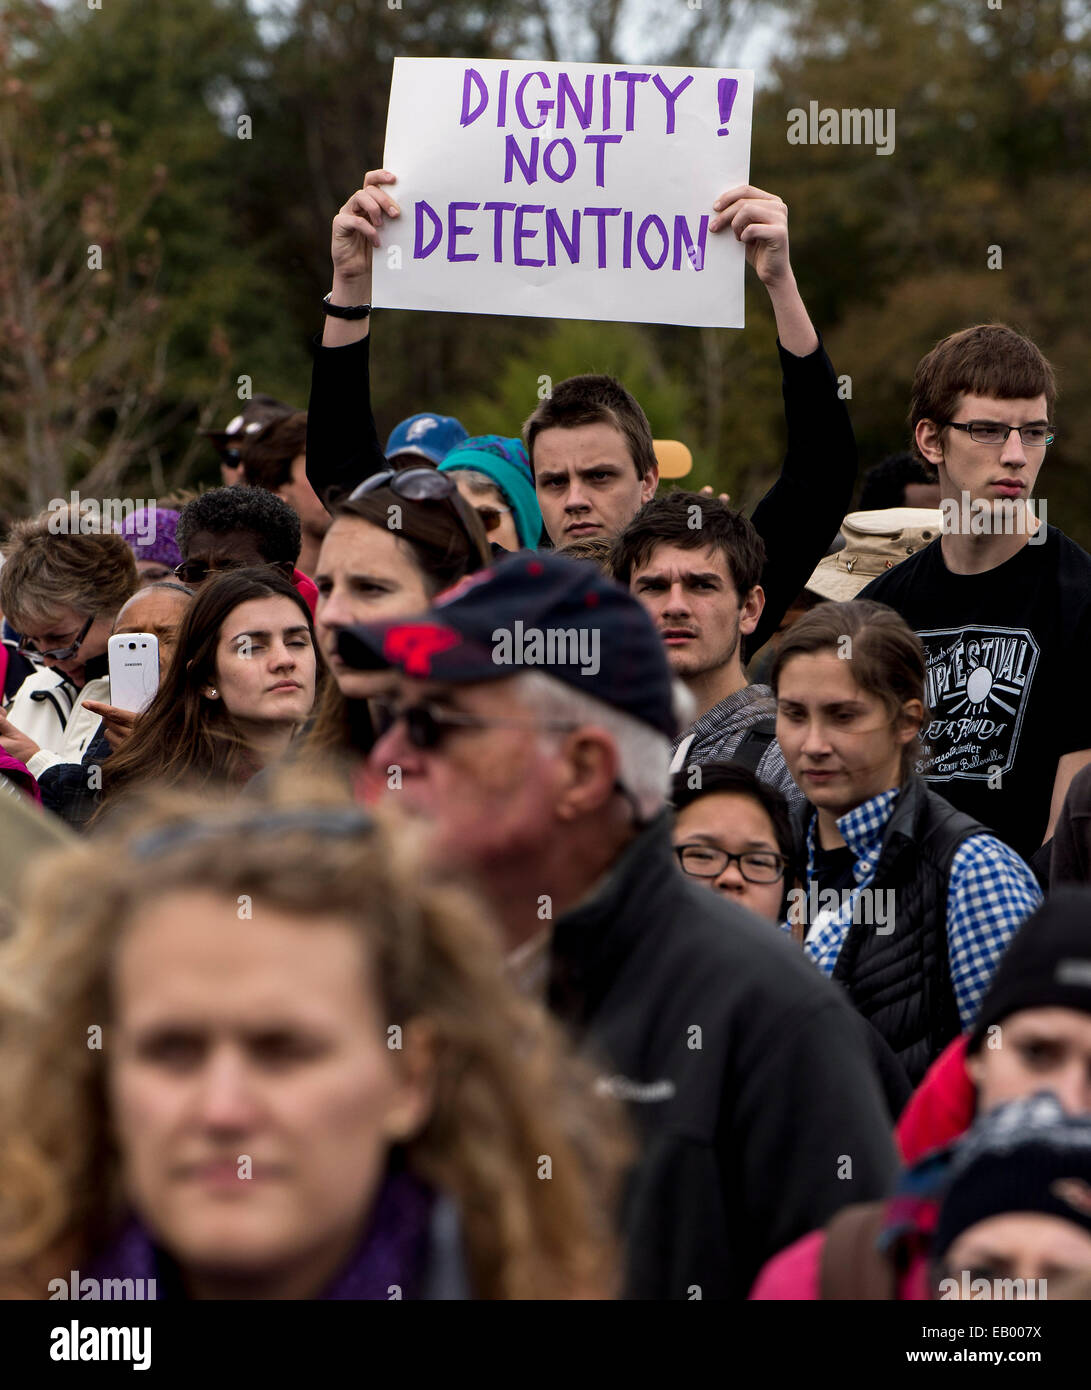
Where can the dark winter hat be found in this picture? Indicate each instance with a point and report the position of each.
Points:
(530, 612)
(1047, 963)
(1026, 1156)
(505, 462)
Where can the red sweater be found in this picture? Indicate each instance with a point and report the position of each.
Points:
(307, 589)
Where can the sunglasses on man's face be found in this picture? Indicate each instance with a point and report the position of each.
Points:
(427, 724)
(194, 572)
(29, 650)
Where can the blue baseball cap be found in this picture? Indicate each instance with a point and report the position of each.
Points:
(432, 437)
(530, 612)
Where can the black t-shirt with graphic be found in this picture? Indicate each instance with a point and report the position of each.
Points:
(1007, 667)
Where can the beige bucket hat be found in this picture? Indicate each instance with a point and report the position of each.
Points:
(874, 543)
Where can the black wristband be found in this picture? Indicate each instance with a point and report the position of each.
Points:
(339, 311)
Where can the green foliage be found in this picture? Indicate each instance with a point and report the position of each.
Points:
(566, 348)
(123, 122)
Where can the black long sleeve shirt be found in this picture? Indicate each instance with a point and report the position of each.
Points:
(797, 518)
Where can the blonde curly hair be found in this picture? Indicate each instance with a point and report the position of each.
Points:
(507, 1090)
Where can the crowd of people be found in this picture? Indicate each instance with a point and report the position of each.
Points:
(526, 881)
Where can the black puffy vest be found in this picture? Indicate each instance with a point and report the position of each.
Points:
(901, 981)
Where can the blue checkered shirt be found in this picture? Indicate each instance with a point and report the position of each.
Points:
(990, 893)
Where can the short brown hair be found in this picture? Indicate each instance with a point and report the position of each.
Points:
(668, 520)
(55, 560)
(594, 400)
(887, 656)
(989, 359)
(267, 457)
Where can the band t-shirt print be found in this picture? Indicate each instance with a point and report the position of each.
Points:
(977, 684)
(1007, 674)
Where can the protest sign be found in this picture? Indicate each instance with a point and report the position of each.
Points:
(564, 190)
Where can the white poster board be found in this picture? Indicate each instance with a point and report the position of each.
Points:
(564, 190)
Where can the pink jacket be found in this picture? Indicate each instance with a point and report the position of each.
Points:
(20, 775)
(939, 1110)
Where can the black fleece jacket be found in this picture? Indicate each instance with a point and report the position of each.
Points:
(747, 1074)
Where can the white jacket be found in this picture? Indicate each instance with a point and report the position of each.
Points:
(49, 709)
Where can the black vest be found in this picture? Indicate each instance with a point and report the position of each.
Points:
(900, 980)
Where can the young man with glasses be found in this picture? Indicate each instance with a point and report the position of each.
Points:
(1001, 601)
(546, 783)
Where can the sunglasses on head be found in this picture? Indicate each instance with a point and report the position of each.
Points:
(414, 484)
(428, 485)
(197, 571)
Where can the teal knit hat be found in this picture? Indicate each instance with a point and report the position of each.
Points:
(505, 462)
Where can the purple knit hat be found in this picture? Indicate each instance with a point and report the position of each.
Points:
(158, 522)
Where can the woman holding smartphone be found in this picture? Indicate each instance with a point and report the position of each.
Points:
(241, 685)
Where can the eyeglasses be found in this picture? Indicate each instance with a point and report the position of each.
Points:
(992, 432)
(706, 861)
(491, 515)
(428, 724)
(195, 572)
(27, 649)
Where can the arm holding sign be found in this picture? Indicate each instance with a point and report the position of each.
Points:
(343, 444)
(760, 221)
(801, 513)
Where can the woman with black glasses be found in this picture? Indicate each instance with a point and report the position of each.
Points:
(395, 542)
(62, 585)
(734, 834)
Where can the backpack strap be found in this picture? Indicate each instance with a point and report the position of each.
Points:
(853, 1267)
(754, 744)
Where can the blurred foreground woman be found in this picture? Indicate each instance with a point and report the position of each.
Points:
(258, 1054)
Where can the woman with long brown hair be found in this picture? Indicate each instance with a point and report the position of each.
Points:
(240, 686)
(262, 1054)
